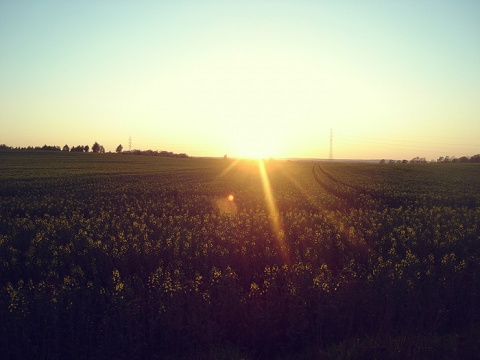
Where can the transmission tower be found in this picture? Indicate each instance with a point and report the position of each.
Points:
(130, 143)
(330, 155)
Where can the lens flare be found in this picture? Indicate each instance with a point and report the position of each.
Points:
(226, 206)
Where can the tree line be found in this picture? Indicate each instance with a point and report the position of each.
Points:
(79, 148)
(162, 153)
(441, 159)
(96, 148)
(463, 159)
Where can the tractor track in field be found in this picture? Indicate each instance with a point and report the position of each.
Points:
(355, 195)
(357, 192)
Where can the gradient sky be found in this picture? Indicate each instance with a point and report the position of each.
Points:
(393, 79)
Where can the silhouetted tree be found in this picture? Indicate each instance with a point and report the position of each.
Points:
(78, 148)
(86, 148)
(417, 160)
(66, 148)
(119, 148)
(101, 149)
(48, 148)
(156, 153)
(96, 147)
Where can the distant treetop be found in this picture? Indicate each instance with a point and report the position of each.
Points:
(96, 148)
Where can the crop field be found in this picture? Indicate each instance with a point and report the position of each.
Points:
(136, 257)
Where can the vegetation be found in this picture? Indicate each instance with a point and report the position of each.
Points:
(446, 159)
(96, 148)
(144, 257)
(155, 153)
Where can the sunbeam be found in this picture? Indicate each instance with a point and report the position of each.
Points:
(308, 195)
(275, 220)
(229, 167)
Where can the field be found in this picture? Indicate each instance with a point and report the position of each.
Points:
(132, 257)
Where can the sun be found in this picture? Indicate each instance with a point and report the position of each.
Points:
(255, 153)
(258, 145)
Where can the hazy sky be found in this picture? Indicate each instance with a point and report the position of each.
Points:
(393, 79)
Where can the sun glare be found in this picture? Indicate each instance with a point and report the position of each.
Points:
(260, 144)
(257, 151)
(252, 150)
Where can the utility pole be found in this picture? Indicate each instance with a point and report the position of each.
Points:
(330, 155)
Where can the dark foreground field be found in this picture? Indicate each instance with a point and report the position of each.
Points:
(107, 256)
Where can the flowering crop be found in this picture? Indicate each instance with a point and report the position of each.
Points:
(115, 256)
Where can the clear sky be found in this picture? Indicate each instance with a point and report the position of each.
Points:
(393, 79)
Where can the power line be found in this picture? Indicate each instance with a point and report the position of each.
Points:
(403, 141)
(393, 145)
(330, 155)
(430, 145)
(406, 147)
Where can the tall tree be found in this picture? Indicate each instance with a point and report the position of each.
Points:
(96, 147)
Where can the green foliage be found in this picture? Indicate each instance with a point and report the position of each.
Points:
(137, 257)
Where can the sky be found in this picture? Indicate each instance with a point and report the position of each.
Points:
(392, 79)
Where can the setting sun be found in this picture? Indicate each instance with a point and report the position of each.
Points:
(259, 144)
(254, 152)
